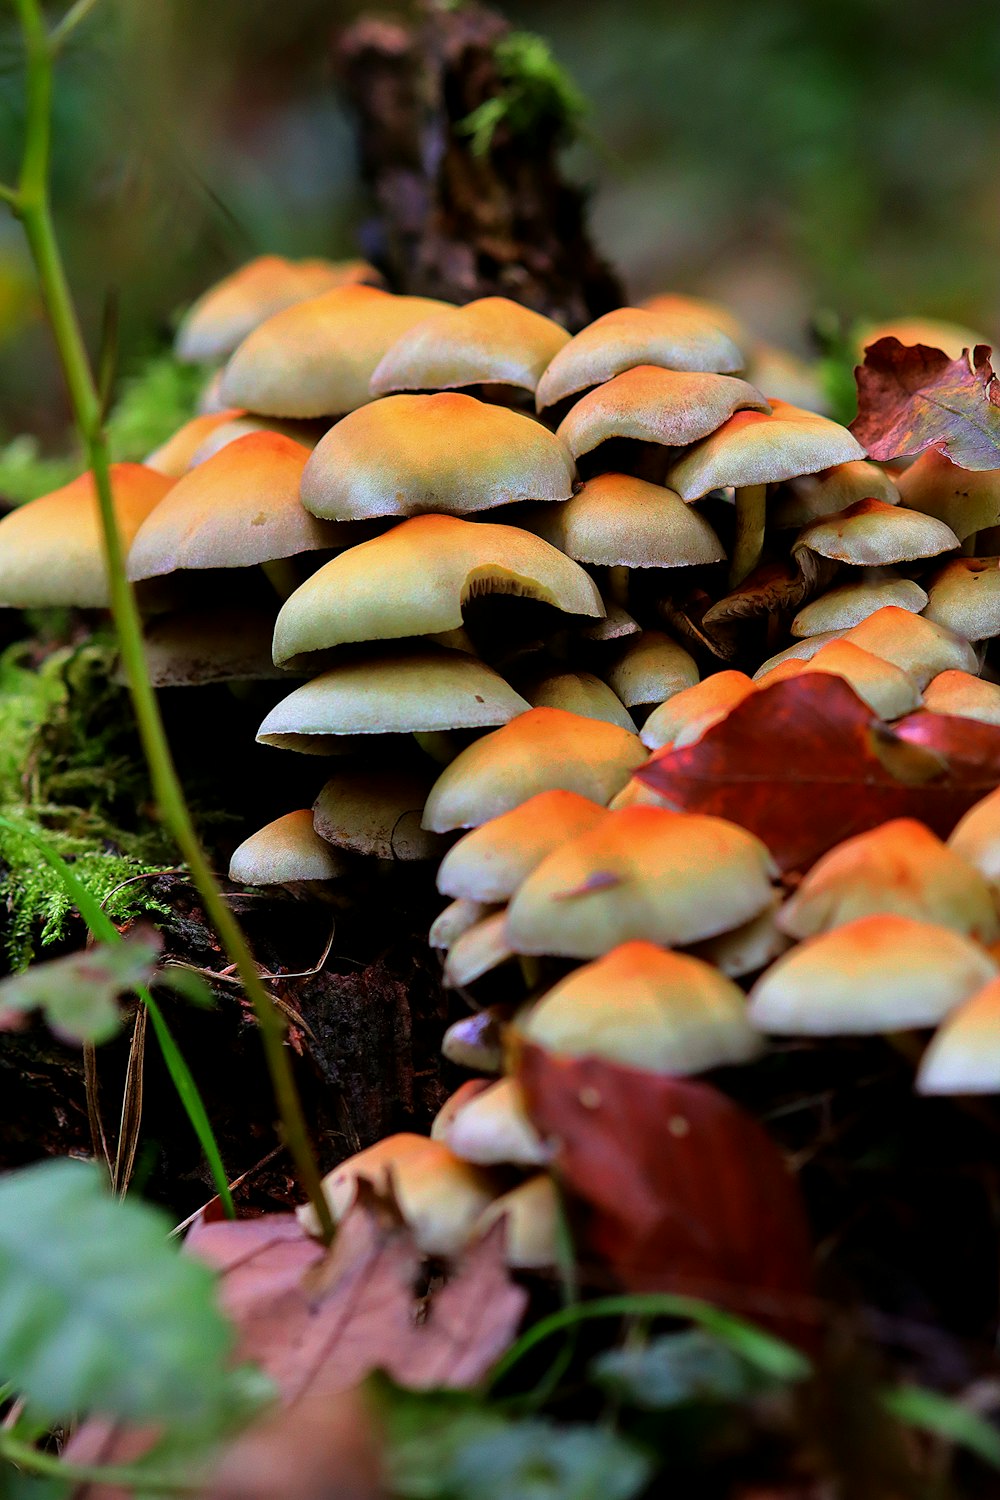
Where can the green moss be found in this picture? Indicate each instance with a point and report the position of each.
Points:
(537, 95)
(70, 771)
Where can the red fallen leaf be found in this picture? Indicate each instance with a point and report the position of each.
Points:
(912, 397)
(805, 764)
(684, 1191)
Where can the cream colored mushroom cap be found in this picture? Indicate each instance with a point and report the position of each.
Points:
(965, 597)
(616, 520)
(920, 647)
(871, 533)
(201, 647)
(967, 500)
(52, 548)
(756, 448)
(632, 336)
(850, 603)
(801, 651)
(448, 452)
(490, 863)
(439, 1196)
(888, 690)
(316, 359)
(963, 696)
(875, 974)
(684, 718)
(964, 1054)
(457, 917)
(650, 669)
(489, 341)
(653, 405)
(493, 1129)
(900, 868)
(223, 316)
(481, 947)
(376, 812)
(700, 307)
(648, 1008)
(418, 692)
(176, 455)
(285, 851)
(749, 948)
(476, 1040)
(580, 693)
(976, 839)
(786, 376)
(532, 1216)
(544, 750)
(810, 497)
(641, 873)
(415, 579)
(233, 511)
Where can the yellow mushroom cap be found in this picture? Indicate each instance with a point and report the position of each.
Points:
(641, 873)
(417, 692)
(964, 1054)
(615, 520)
(234, 510)
(650, 668)
(531, 1215)
(701, 307)
(754, 447)
(684, 718)
(457, 917)
(964, 696)
(176, 455)
(879, 973)
(810, 497)
(224, 315)
(888, 690)
(414, 580)
(316, 359)
(492, 1128)
(285, 851)
(489, 341)
(653, 405)
(632, 336)
(376, 812)
(871, 533)
(490, 863)
(850, 603)
(646, 1008)
(481, 947)
(900, 867)
(976, 839)
(749, 948)
(448, 452)
(967, 500)
(52, 548)
(580, 693)
(936, 333)
(920, 647)
(439, 1196)
(546, 749)
(965, 597)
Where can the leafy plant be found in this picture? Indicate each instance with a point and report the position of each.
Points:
(79, 993)
(537, 95)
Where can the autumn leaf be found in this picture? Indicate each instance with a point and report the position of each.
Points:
(804, 764)
(682, 1191)
(912, 397)
(79, 994)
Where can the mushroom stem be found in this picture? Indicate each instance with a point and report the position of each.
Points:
(969, 545)
(440, 747)
(618, 586)
(282, 576)
(751, 513)
(531, 972)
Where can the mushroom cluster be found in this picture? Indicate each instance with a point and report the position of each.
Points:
(503, 565)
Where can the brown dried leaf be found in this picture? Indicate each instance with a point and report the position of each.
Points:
(912, 397)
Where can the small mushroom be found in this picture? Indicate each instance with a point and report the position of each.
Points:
(684, 717)
(531, 1215)
(376, 811)
(480, 948)
(920, 647)
(967, 500)
(888, 690)
(491, 1128)
(964, 696)
(976, 839)
(810, 497)
(964, 597)
(488, 341)
(579, 693)
(850, 603)
(286, 852)
(651, 668)
(964, 1053)
(872, 534)
(456, 918)
(490, 863)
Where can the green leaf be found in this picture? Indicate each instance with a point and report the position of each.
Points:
(674, 1369)
(930, 1412)
(100, 1311)
(79, 993)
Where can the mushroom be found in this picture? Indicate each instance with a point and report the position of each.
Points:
(286, 852)
(491, 1128)
(875, 974)
(900, 867)
(976, 839)
(176, 455)
(964, 597)
(439, 1196)
(531, 1215)
(488, 341)
(850, 603)
(651, 668)
(871, 533)
(376, 810)
(480, 948)
(404, 455)
(964, 1053)
(52, 548)
(630, 336)
(888, 690)
(749, 948)
(809, 497)
(964, 696)
(645, 1007)
(967, 500)
(223, 316)
(546, 749)
(200, 647)
(920, 647)
(456, 918)
(415, 579)
(936, 333)
(640, 873)
(684, 717)
(476, 1041)
(700, 307)
(489, 864)
(579, 693)
(316, 359)
(752, 450)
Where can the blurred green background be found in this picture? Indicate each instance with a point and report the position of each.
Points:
(787, 157)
